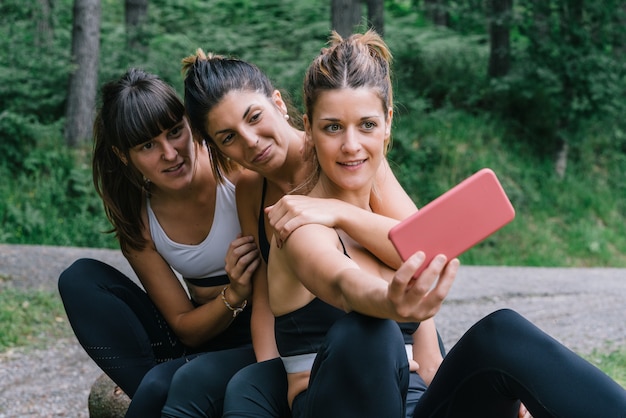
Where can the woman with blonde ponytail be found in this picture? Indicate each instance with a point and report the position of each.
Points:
(235, 109)
(354, 332)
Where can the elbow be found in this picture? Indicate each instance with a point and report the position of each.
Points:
(190, 341)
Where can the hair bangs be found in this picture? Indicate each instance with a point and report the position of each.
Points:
(145, 115)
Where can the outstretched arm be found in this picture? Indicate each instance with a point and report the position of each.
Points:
(338, 280)
(389, 204)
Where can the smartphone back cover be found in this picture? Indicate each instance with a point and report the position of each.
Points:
(455, 221)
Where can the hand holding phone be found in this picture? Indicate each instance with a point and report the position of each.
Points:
(455, 221)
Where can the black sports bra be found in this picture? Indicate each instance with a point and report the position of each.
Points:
(264, 244)
(209, 281)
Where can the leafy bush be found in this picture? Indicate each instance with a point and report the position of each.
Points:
(52, 200)
(17, 139)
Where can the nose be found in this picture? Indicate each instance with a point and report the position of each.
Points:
(169, 151)
(350, 143)
(250, 138)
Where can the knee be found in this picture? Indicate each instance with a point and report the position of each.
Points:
(357, 329)
(499, 322)
(241, 380)
(255, 376)
(155, 383)
(496, 332)
(193, 375)
(367, 336)
(75, 275)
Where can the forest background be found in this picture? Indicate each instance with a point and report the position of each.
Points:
(534, 89)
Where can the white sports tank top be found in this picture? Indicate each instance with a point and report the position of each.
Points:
(205, 260)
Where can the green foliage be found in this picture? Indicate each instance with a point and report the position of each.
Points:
(34, 69)
(16, 139)
(439, 66)
(566, 84)
(612, 363)
(52, 201)
(30, 318)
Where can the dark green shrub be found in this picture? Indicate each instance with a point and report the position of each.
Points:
(17, 139)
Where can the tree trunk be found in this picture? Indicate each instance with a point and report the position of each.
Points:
(81, 95)
(345, 16)
(437, 12)
(560, 163)
(136, 12)
(571, 22)
(499, 32)
(375, 15)
(43, 36)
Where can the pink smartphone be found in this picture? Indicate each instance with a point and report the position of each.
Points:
(455, 221)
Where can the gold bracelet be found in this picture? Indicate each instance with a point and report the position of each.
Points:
(235, 311)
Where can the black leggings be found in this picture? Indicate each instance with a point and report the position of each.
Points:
(501, 360)
(125, 334)
(504, 359)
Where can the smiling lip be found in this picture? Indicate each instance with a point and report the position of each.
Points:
(263, 155)
(174, 169)
(350, 164)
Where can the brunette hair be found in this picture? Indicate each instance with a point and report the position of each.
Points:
(210, 77)
(361, 60)
(135, 108)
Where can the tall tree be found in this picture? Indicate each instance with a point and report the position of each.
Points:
(81, 95)
(376, 16)
(500, 37)
(345, 16)
(136, 12)
(437, 12)
(43, 36)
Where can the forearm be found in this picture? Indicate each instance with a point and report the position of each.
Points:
(364, 293)
(426, 351)
(205, 322)
(371, 231)
(262, 321)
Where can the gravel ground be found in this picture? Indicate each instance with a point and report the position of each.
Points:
(583, 308)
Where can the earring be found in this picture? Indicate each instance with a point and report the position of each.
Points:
(146, 185)
(286, 116)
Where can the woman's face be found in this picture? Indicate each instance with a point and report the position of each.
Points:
(349, 129)
(167, 160)
(251, 129)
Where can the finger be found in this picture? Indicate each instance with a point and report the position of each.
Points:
(244, 274)
(404, 274)
(428, 277)
(446, 279)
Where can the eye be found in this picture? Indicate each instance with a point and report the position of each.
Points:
(332, 127)
(176, 131)
(255, 117)
(146, 146)
(228, 139)
(369, 125)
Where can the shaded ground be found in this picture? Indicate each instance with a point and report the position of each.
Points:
(583, 308)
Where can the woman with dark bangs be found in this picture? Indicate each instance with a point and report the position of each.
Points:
(172, 207)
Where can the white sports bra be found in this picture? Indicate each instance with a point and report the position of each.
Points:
(202, 264)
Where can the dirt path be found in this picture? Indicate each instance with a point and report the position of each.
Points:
(583, 308)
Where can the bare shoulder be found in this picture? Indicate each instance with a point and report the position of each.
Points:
(234, 175)
(248, 179)
(248, 188)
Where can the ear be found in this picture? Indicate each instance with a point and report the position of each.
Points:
(120, 155)
(389, 120)
(307, 127)
(277, 98)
